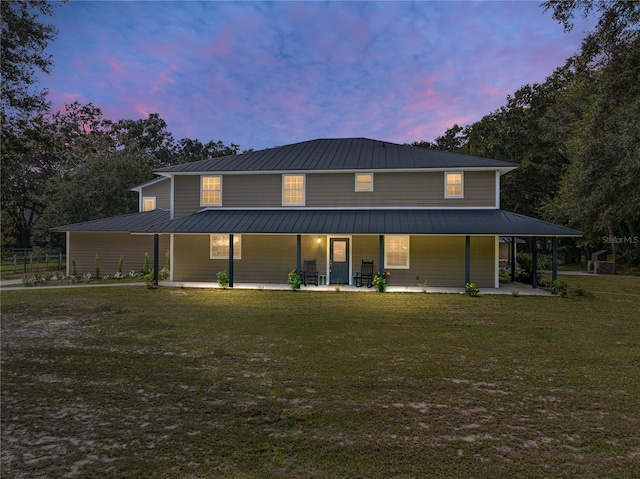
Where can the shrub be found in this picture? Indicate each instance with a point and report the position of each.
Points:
(119, 270)
(559, 287)
(294, 280)
(96, 267)
(380, 283)
(146, 268)
(34, 280)
(526, 269)
(74, 270)
(471, 289)
(164, 274)
(150, 280)
(223, 279)
(167, 260)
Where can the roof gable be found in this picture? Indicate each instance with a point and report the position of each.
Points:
(338, 155)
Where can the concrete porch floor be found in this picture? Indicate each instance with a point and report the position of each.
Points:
(505, 288)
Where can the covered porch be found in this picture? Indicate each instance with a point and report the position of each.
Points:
(446, 248)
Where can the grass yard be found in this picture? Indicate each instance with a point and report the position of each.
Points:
(172, 383)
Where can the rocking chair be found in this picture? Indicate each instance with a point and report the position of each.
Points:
(309, 272)
(365, 276)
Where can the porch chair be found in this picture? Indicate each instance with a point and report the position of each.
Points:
(365, 276)
(309, 272)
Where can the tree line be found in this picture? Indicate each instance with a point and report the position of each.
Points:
(575, 137)
(72, 165)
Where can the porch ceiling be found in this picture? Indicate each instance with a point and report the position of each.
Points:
(369, 221)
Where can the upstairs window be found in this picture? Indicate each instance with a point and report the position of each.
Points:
(293, 193)
(148, 203)
(220, 247)
(364, 181)
(453, 185)
(211, 191)
(396, 252)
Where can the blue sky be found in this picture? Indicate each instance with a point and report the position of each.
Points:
(263, 74)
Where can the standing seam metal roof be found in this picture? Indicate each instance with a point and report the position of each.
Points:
(122, 223)
(408, 221)
(337, 154)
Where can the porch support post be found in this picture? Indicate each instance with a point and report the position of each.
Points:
(512, 258)
(231, 260)
(534, 262)
(467, 260)
(381, 256)
(156, 247)
(554, 259)
(298, 253)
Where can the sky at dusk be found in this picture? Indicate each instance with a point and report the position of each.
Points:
(264, 74)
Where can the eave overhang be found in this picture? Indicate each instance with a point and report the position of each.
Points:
(488, 222)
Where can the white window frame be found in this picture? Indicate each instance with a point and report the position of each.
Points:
(148, 198)
(304, 190)
(387, 238)
(357, 189)
(446, 183)
(237, 246)
(202, 190)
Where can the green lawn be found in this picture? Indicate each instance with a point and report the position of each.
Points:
(132, 382)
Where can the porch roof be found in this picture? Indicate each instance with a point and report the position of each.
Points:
(121, 223)
(360, 221)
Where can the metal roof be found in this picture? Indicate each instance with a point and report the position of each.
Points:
(358, 221)
(338, 154)
(155, 180)
(122, 223)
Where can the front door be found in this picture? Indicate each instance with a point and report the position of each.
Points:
(339, 261)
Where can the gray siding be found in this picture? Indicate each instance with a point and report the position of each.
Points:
(269, 258)
(440, 261)
(338, 190)
(161, 191)
(265, 259)
(241, 191)
(186, 191)
(83, 248)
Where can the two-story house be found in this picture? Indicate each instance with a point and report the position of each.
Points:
(420, 214)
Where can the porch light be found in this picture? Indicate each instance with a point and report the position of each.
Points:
(319, 240)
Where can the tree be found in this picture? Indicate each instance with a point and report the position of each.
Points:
(23, 42)
(97, 189)
(600, 190)
(454, 139)
(188, 150)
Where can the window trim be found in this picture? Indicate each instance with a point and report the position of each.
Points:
(145, 198)
(304, 189)
(202, 190)
(446, 183)
(407, 265)
(237, 252)
(360, 190)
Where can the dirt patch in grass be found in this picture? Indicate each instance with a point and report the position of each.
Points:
(175, 383)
